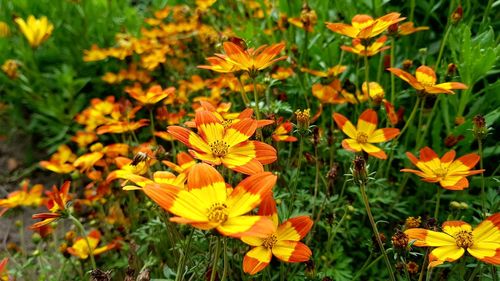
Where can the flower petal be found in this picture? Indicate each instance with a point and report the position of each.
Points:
(445, 253)
(291, 251)
(431, 238)
(249, 193)
(256, 260)
(345, 125)
(241, 226)
(294, 229)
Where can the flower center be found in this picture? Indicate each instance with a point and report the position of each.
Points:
(219, 148)
(218, 213)
(362, 137)
(464, 239)
(440, 172)
(270, 241)
(227, 123)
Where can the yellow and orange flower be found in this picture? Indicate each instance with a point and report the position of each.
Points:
(250, 60)
(283, 242)
(216, 144)
(330, 93)
(366, 133)
(364, 26)
(151, 96)
(4, 276)
(449, 173)
(408, 28)
(184, 163)
(61, 161)
(56, 205)
(81, 250)
(370, 50)
(457, 237)
(330, 72)
(425, 81)
(22, 197)
(377, 93)
(282, 132)
(206, 203)
(35, 30)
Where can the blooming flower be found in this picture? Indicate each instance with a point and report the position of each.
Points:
(61, 161)
(283, 242)
(482, 243)
(4, 276)
(364, 26)
(35, 30)
(282, 132)
(206, 203)
(22, 197)
(56, 205)
(184, 163)
(216, 144)
(425, 81)
(377, 93)
(10, 68)
(408, 28)
(80, 248)
(249, 60)
(448, 172)
(330, 72)
(330, 93)
(359, 49)
(151, 96)
(366, 133)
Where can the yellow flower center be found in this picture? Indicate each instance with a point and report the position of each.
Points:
(219, 148)
(218, 213)
(227, 123)
(270, 241)
(464, 239)
(362, 137)
(441, 172)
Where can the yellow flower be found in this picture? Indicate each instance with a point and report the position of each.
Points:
(35, 30)
(4, 29)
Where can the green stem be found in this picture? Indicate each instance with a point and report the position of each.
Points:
(428, 124)
(375, 231)
(438, 201)
(483, 194)
(421, 276)
(297, 172)
(216, 258)
(182, 262)
(412, 10)
(441, 48)
(474, 273)
(243, 92)
(335, 230)
(226, 263)
(393, 78)
(419, 126)
(256, 99)
(365, 267)
(79, 225)
(304, 48)
(367, 73)
(152, 124)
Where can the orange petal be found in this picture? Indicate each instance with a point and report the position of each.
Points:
(382, 135)
(294, 229)
(291, 251)
(407, 77)
(425, 75)
(256, 260)
(242, 226)
(345, 125)
(248, 194)
(367, 121)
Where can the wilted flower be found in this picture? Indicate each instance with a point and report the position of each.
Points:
(10, 67)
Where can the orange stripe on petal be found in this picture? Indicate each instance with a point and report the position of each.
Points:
(188, 138)
(446, 253)
(351, 145)
(295, 228)
(425, 75)
(488, 252)
(345, 125)
(469, 160)
(373, 150)
(264, 153)
(268, 208)
(367, 121)
(453, 227)
(431, 238)
(249, 193)
(241, 226)
(256, 260)
(382, 135)
(427, 154)
(407, 77)
(291, 251)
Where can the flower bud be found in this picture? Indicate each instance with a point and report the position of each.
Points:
(359, 171)
(455, 205)
(479, 128)
(456, 16)
(303, 120)
(393, 29)
(412, 267)
(400, 240)
(412, 222)
(407, 64)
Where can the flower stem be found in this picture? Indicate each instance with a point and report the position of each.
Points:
(243, 92)
(367, 73)
(79, 225)
(182, 262)
(438, 201)
(152, 124)
(483, 194)
(226, 264)
(393, 79)
(443, 43)
(375, 230)
(256, 99)
(216, 258)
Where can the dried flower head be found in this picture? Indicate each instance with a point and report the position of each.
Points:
(412, 222)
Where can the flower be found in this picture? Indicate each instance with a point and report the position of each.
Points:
(249, 60)
(364, 26)
(60, 162)
(283, 242)
(425, 81)
(4, 29)
(408, 28)
(282, 131)
(330, 72)
(370, 50)
(56, 205)
(4, 276)
(482, 243)
(184, 163)
(80, 248)
(10, 68)
(330, 93)
(22, 197)
(35, 30)
(206, 203)
(377, 93)
(448, 172)
(216, 144)
(362, 136)
(151, 96)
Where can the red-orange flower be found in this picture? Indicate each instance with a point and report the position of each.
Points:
(282, 132)
(366, 133)
(216, 144)
(22, 197)
(60, 162)
(249, 60)
(151, 96)
(364, 26)
(448, 172)
(81, 250)
(283, 242)
(425, 80)
(408, 28)
(56, 205)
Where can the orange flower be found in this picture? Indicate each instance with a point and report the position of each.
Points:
(377, 93)
(22, 197)
(151, 96)
(371, 50)
(60, 162)
(282, 131)
(184, 163)
(330, 93)
(80, 248)
(56, 205)
(364, 26)
(119, 127)
(216, 144)
(425, 81)
(408, 28)
(448, 172)
(249, 60)
(206, 204)
(330, 72)
(482, 243)
(366, 133)
(4, 276)
(283, 242)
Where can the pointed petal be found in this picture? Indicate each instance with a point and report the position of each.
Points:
(488, 252)
(189, 138)
(240, 131)
(249, 193)
(367, 121)
(382, 135)
(425, 75)
(488, 230)
(256, 260)
(241, 226)
(431, 238)
(291, 251)
(373, 150)
(407, 77)
(445, 253)
(294, 229)
(351, 145)
(345, 125)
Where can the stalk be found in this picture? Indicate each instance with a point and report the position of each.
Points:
(216, 259)
(443, 43)
(226, 264)
(243, 92)
(393, 79)
(152, 124)
(79, 225)
(256, 99)
(375, 230)
(182, 262)
(367, 73)
(483, 194)
(438, 200)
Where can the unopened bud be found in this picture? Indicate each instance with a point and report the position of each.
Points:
(412, 222)
(456, 16)
(412, 267)
(393, 29)
(407, 64)
(303, 120)
(452, 69)
(359, 171)
(455, 205)
(479, 128)
(400, 240)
